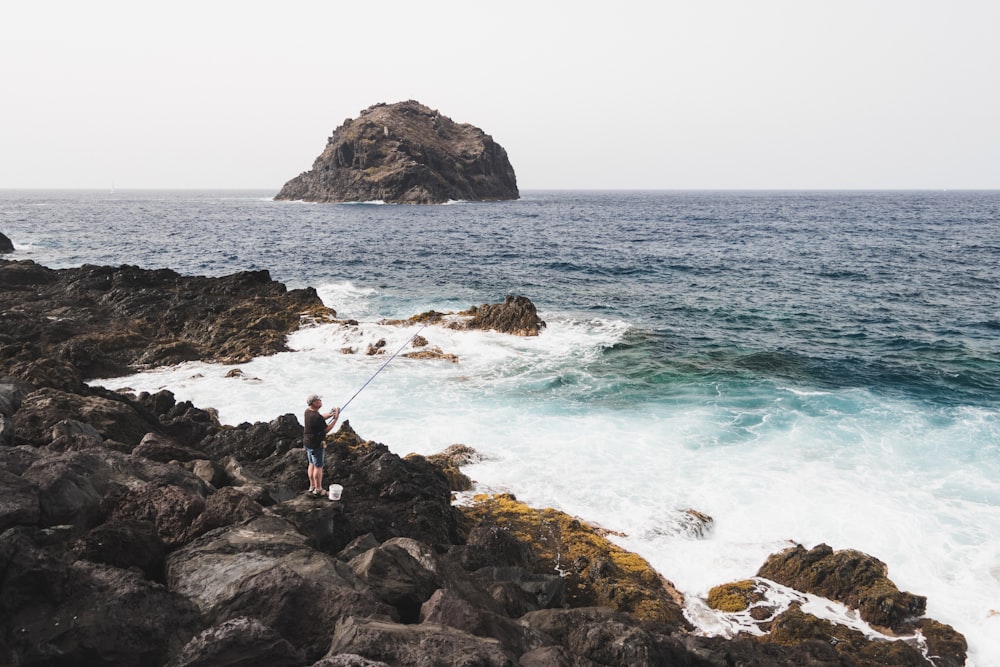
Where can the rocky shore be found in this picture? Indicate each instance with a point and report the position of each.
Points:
(138, 530)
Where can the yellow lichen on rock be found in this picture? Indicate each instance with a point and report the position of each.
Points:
(596, 571)
(735, 596)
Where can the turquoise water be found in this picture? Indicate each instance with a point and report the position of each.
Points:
(813, 367)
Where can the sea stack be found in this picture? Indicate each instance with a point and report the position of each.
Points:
(406, 153)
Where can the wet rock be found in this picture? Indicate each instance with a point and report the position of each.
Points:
(736, 596)
(432, 353)
(854, 578)
(794, 627)
(947, 645)
(516, 315)
(6, 245)
(451, 460)
(457, 480)
(596, 572)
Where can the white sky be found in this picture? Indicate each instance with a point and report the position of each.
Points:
(668, 94)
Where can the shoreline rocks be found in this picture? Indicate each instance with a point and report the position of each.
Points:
(138, 530)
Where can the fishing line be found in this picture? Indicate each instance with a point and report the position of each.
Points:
(405, 343)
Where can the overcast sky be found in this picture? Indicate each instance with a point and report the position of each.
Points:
(669, 94)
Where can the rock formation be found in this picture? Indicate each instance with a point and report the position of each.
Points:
(517, 316)
(62, 326)
(406, 153)
(138, 530)
(5, 244)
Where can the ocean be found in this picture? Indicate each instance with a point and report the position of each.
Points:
(803, 367)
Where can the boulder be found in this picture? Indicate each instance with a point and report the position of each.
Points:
(405, 153)
(156, 447)
(69, 612)
(171, 510)
(385, 495)
(125, 544)
(396, 578)
(603, 636)
(71, 428)
(5, 244)
(111, 419)
(263, 569)
(596, 572)
(445, 607)
(412, 645)
(253, 442)
(241, 641)
(516, 315)
(795, 627)
(851, 577)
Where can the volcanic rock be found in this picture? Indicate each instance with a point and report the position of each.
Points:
(58, 327)
(406, 153)
(136, 530)
(516, 315)
(854, 578)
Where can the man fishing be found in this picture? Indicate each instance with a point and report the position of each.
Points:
(313, 434)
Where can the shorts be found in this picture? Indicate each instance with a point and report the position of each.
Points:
(316, 455)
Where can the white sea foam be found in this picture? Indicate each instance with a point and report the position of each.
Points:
(919, 491)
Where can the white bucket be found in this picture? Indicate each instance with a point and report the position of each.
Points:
(335, 491)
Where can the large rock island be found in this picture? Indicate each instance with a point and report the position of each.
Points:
(406, 153)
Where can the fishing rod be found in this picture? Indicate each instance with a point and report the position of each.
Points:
(405, 343)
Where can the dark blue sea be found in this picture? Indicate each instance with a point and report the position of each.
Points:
(802, 366)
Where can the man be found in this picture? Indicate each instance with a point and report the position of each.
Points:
(313, 434)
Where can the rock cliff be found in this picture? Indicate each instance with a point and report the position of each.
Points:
(406, 153)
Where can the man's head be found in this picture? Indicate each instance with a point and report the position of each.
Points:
(314, 401)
